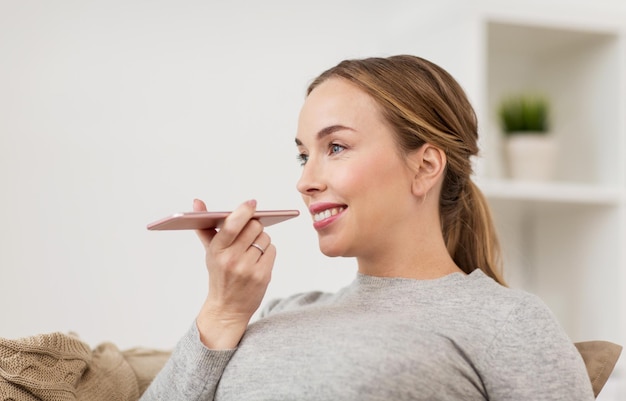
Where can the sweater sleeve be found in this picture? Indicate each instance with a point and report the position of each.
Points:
(532, 358)
(192, 372)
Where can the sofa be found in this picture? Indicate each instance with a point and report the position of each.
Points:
(60, 367)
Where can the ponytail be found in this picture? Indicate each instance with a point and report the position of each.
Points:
(469, 232)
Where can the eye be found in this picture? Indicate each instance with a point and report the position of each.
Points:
(302, 158)
(336, 148)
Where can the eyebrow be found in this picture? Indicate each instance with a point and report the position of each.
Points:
(327, 131)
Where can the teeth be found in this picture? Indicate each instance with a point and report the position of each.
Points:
(327, 213)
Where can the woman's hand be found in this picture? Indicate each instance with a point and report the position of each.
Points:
(239, 274)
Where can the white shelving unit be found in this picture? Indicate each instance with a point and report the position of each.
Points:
(564, 240)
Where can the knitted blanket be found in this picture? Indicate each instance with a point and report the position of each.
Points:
(61, 367)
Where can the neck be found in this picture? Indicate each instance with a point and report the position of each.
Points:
(411, 255)
(424, 269)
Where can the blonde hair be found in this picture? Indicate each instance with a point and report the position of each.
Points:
(425, 104)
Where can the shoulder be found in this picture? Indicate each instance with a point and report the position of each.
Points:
(527, 337)
(504, 303)
(507, 317)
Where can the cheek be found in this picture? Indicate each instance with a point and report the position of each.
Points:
(388, 185)
(354, 179)
(385, 171)
(374, 178)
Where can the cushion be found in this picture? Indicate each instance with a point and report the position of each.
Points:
(600, 358)
(146, 363)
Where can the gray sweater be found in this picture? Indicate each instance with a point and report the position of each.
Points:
(460, 337)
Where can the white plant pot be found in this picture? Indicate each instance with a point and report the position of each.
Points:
(531, 156)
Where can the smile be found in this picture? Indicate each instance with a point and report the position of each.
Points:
(327, 213)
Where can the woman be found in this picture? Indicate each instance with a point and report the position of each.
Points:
(385, 145)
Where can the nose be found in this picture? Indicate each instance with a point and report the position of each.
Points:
(311, 179)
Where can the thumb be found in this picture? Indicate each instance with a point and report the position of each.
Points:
(199, 206)
(207, 235)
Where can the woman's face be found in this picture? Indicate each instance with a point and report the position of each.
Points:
(354, 181)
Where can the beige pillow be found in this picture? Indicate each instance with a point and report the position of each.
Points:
(600, 358)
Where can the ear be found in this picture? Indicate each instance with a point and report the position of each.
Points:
(428, 164)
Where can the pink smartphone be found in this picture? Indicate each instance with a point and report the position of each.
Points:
(204, 220)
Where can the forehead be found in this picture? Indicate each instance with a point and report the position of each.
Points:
(337, 101)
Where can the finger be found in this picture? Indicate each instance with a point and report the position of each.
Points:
(246, 237)
(261, 265)
(206, 236)
(265, 263)
(259, 245)
(270, 254)
(199, 205)
(237, 226)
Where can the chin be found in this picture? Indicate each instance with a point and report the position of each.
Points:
(331, 254)
(330, 250)
(333, 250)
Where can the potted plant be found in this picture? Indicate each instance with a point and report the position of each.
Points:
(530, 147)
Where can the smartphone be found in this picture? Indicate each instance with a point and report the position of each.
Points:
(205, 220)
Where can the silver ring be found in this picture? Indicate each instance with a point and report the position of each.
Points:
(259, 247)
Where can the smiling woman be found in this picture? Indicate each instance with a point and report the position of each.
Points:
(385, 147)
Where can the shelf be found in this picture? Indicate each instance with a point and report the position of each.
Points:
(577, 70)
(552, 192)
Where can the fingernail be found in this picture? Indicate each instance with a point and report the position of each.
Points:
(251, 203)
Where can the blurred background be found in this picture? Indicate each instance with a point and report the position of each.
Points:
(115, 113)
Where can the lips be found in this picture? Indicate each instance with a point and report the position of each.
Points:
(324, 213)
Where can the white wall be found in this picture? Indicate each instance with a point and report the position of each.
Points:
(114, 113)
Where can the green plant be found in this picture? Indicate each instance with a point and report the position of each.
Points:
(524, 113)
